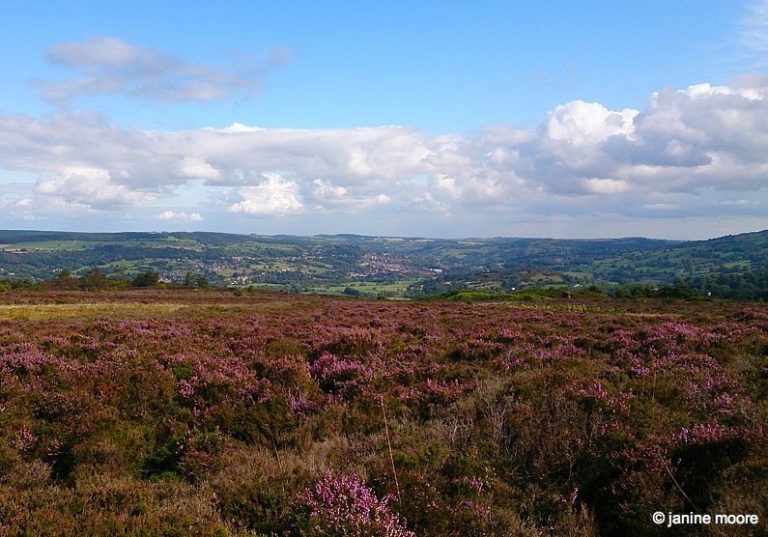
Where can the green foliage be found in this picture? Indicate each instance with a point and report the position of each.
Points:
(148, 278)
(678, 290)
(195, 280)
(95, 279)
(349, 291)
(752, 285)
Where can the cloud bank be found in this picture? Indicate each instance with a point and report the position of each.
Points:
(702, 150)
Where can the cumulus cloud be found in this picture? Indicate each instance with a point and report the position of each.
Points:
(191, 167)
(179, 216)
(107, 65)
(90, 186)
(331, 196)
(273, 196)
(580, 123)
(686, 150)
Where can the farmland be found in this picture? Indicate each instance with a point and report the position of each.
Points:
(198, 412)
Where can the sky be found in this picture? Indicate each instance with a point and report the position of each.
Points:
(597, 118)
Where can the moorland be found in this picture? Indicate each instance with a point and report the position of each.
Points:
(196, 412)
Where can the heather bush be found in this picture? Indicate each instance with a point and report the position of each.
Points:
(343, 505)
(339, 376)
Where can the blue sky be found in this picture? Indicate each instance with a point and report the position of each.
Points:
(567, 119)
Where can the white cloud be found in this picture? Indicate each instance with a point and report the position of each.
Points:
(580, 123)
(330, 196)
(108, 65)
(359, 156)
(92, 187)
(18, 209)
(688, 150)
(197, 168)
(274, 196)
(325, 190)
(598, 185)
(179, 216)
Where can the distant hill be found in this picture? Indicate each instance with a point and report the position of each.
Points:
(380, 266)
(724, 255)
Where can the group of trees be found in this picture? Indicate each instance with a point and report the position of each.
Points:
(647, 290)
(751, 285)
(96, 278)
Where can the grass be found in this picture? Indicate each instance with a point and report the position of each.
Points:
(396, 288)
(44, 312)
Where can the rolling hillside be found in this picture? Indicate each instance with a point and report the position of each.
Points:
(388, 266)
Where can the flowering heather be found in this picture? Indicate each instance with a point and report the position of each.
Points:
(708, 433)
(22, 359)
(339, 376)
(344, 505)
(256, 415)
(24, 440)
(614, 403)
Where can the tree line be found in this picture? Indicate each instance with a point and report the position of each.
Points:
(95, 278)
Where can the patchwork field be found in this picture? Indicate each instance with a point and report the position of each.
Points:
(200, 412)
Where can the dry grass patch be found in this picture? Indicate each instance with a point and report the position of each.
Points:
(44, 312)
